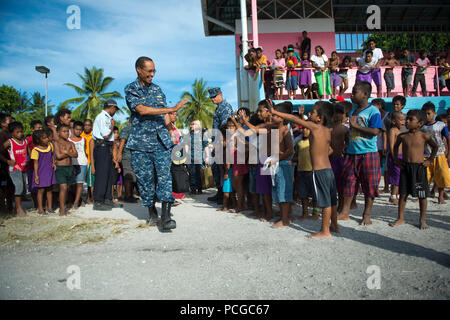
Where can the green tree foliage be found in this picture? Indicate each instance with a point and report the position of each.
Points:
(9, 99)
(411, 41)
(92, 94)
(199, 106)
(21, 107)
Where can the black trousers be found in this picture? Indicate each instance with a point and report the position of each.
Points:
(103, 178)
(419, 78)
(195, 180)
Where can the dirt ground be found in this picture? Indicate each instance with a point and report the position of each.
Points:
(218, 255)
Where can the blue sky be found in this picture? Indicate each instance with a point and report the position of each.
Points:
(112, 35)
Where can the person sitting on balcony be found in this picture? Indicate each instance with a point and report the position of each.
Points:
(250, 57)
(261, 62)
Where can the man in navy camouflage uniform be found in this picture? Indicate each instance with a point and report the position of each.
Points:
(149, 141)
(223, 112)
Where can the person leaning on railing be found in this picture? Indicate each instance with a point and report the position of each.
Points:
(320, 62)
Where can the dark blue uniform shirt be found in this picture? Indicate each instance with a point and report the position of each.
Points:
(148, 133)
(223, 112)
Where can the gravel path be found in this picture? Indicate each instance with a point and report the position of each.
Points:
(216, 255)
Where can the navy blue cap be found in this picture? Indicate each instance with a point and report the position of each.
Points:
(214, 92)
(110, 103)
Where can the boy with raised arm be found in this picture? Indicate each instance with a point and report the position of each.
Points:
(323, 177)
(413, 167)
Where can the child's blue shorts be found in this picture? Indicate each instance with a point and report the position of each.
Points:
(226, 188)
(284, 183)
(291, 83)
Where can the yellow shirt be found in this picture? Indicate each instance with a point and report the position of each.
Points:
(35, 153)
(87, 137)
(261, 61)
(304, 157)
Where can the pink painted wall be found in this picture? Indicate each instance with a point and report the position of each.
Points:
(272, 41)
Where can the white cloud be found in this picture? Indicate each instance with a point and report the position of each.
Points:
(112, 36)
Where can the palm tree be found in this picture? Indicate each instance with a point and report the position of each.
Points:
(199, 106)
(92, 94)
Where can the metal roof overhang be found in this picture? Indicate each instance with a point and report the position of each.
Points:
(350, 15)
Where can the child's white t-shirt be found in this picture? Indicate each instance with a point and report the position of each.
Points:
(422, 63)
(81, 160)
(319, 61)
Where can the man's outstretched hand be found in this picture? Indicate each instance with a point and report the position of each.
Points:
(180, 105)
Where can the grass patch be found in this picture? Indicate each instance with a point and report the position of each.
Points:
(71, 230)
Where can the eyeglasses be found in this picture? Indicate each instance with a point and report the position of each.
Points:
(151, 71)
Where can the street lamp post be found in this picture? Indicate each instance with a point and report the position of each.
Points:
(44, 70)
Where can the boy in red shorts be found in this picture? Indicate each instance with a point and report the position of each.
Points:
(362, 161)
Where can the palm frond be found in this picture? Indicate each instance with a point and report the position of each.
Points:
(79, 90)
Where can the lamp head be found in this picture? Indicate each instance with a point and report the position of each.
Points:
(42, 69)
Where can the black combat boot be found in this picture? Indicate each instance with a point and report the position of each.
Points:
(220, 197)
(214, 197)
(153, 218)
(166, 221)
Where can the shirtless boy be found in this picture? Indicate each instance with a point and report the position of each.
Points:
(398, 123)
(389, 72)
(64, 152)
(325, 185)
(413, 167)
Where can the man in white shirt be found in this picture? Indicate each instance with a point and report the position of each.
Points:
(377, 55)
(103, 135)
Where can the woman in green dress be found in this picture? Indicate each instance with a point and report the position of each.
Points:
(320, 62)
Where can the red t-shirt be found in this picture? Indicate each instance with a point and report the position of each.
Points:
(30, 143)
(18, 153)
(295, 61)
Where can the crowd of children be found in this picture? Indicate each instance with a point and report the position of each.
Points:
(322, 160)
(341, 149)
(331, 74)
(53, 163)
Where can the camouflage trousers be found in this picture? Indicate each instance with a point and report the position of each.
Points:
(153, 168)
